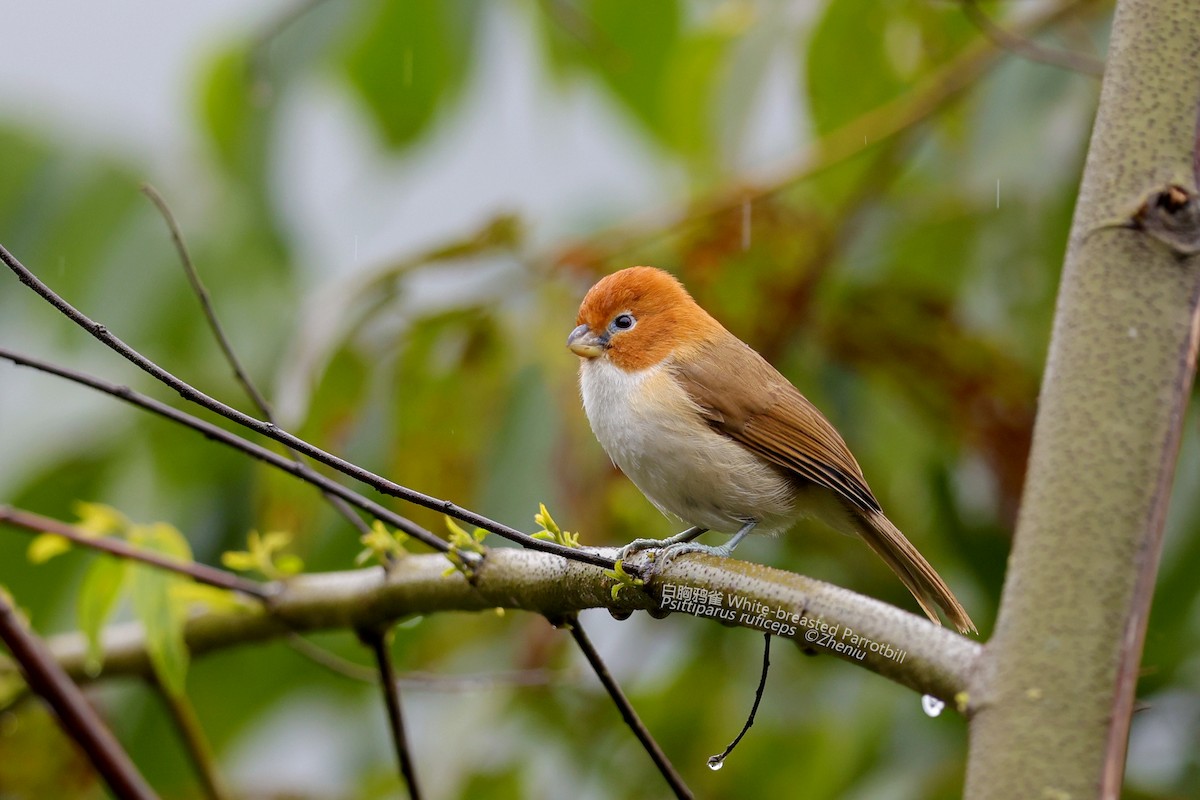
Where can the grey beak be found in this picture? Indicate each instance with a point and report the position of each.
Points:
(582, 342)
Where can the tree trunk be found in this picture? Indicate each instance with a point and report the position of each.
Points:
(1051, 701)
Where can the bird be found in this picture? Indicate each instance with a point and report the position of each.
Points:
(715, 436)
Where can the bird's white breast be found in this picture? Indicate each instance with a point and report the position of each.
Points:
(655, 434)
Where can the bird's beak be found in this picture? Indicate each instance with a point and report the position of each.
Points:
(582, 342)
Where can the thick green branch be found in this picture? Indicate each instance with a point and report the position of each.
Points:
(894, 643)
(1054, 693)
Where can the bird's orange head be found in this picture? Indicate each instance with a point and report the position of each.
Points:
(639, 317)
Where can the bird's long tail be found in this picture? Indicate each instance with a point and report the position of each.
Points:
(907, 562)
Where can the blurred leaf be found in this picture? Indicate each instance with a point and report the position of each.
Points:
(46, 546)
(409, 60)
(628, 44)
(450, 370)
(98, 594)
(227, 111)
(863, 54)
(160, 613)
(689, 92)
(99, 519)
(381, 544)
(263, 553)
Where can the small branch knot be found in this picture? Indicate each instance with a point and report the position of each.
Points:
(1172, 216)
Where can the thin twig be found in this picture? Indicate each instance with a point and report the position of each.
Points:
(78, 719)
(418, 681)
(377, 482)
(183, 714)
(256, 61)
(716, 761)
(331, 661)
(210, 314)
(201, 573)
(218, 332)
(665, 767)
(212, 432)
(377, 640)
(1029, 49)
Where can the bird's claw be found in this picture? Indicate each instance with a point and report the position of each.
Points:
(637, 545)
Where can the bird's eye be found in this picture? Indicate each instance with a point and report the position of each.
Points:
(623, 322)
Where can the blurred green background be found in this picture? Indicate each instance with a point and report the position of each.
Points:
(397, 205)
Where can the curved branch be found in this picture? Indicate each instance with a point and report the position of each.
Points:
(81, 722)
(192, 394)
(817, 616)
(215, 434)
(202, 573)
(1029, 49)
(231, 357)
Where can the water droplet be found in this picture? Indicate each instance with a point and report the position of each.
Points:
(931, 705)
(715, 763)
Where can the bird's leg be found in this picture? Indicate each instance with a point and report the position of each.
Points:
(647, 544)
(670, 551)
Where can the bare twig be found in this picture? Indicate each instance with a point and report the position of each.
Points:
(419, 681)
(218, 332)
(201, 573)
(212, 432)
(665, 767)
(256, 63)
(183, 714)
(210, 314)
(330, 660)
(377, 640)
(77, 718)
(716, 761)
(194, 395)
(1027, 48)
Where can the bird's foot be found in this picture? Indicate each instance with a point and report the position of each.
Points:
(669, 553)
(658, 544)
(667, 550)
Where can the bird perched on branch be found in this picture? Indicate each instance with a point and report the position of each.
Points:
(713, 434)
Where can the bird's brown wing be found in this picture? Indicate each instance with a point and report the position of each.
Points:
(773, 419)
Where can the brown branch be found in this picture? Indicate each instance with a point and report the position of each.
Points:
(194, 395)
(377, 640)
(1029, 49)
(664, 765)
(75, 715)
(199, 751)
(222, 436)
(201, 573)
(218, 332)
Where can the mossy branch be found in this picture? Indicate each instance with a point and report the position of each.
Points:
(884, 639)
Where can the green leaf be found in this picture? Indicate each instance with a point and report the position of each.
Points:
(161, 613)
(226, 110)
(99, 519)
(628, 44)
(410, 59)
(263, 553)
(210, 598)
(691, 87)
(46, 546)
(98, 594)
(864, 53)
